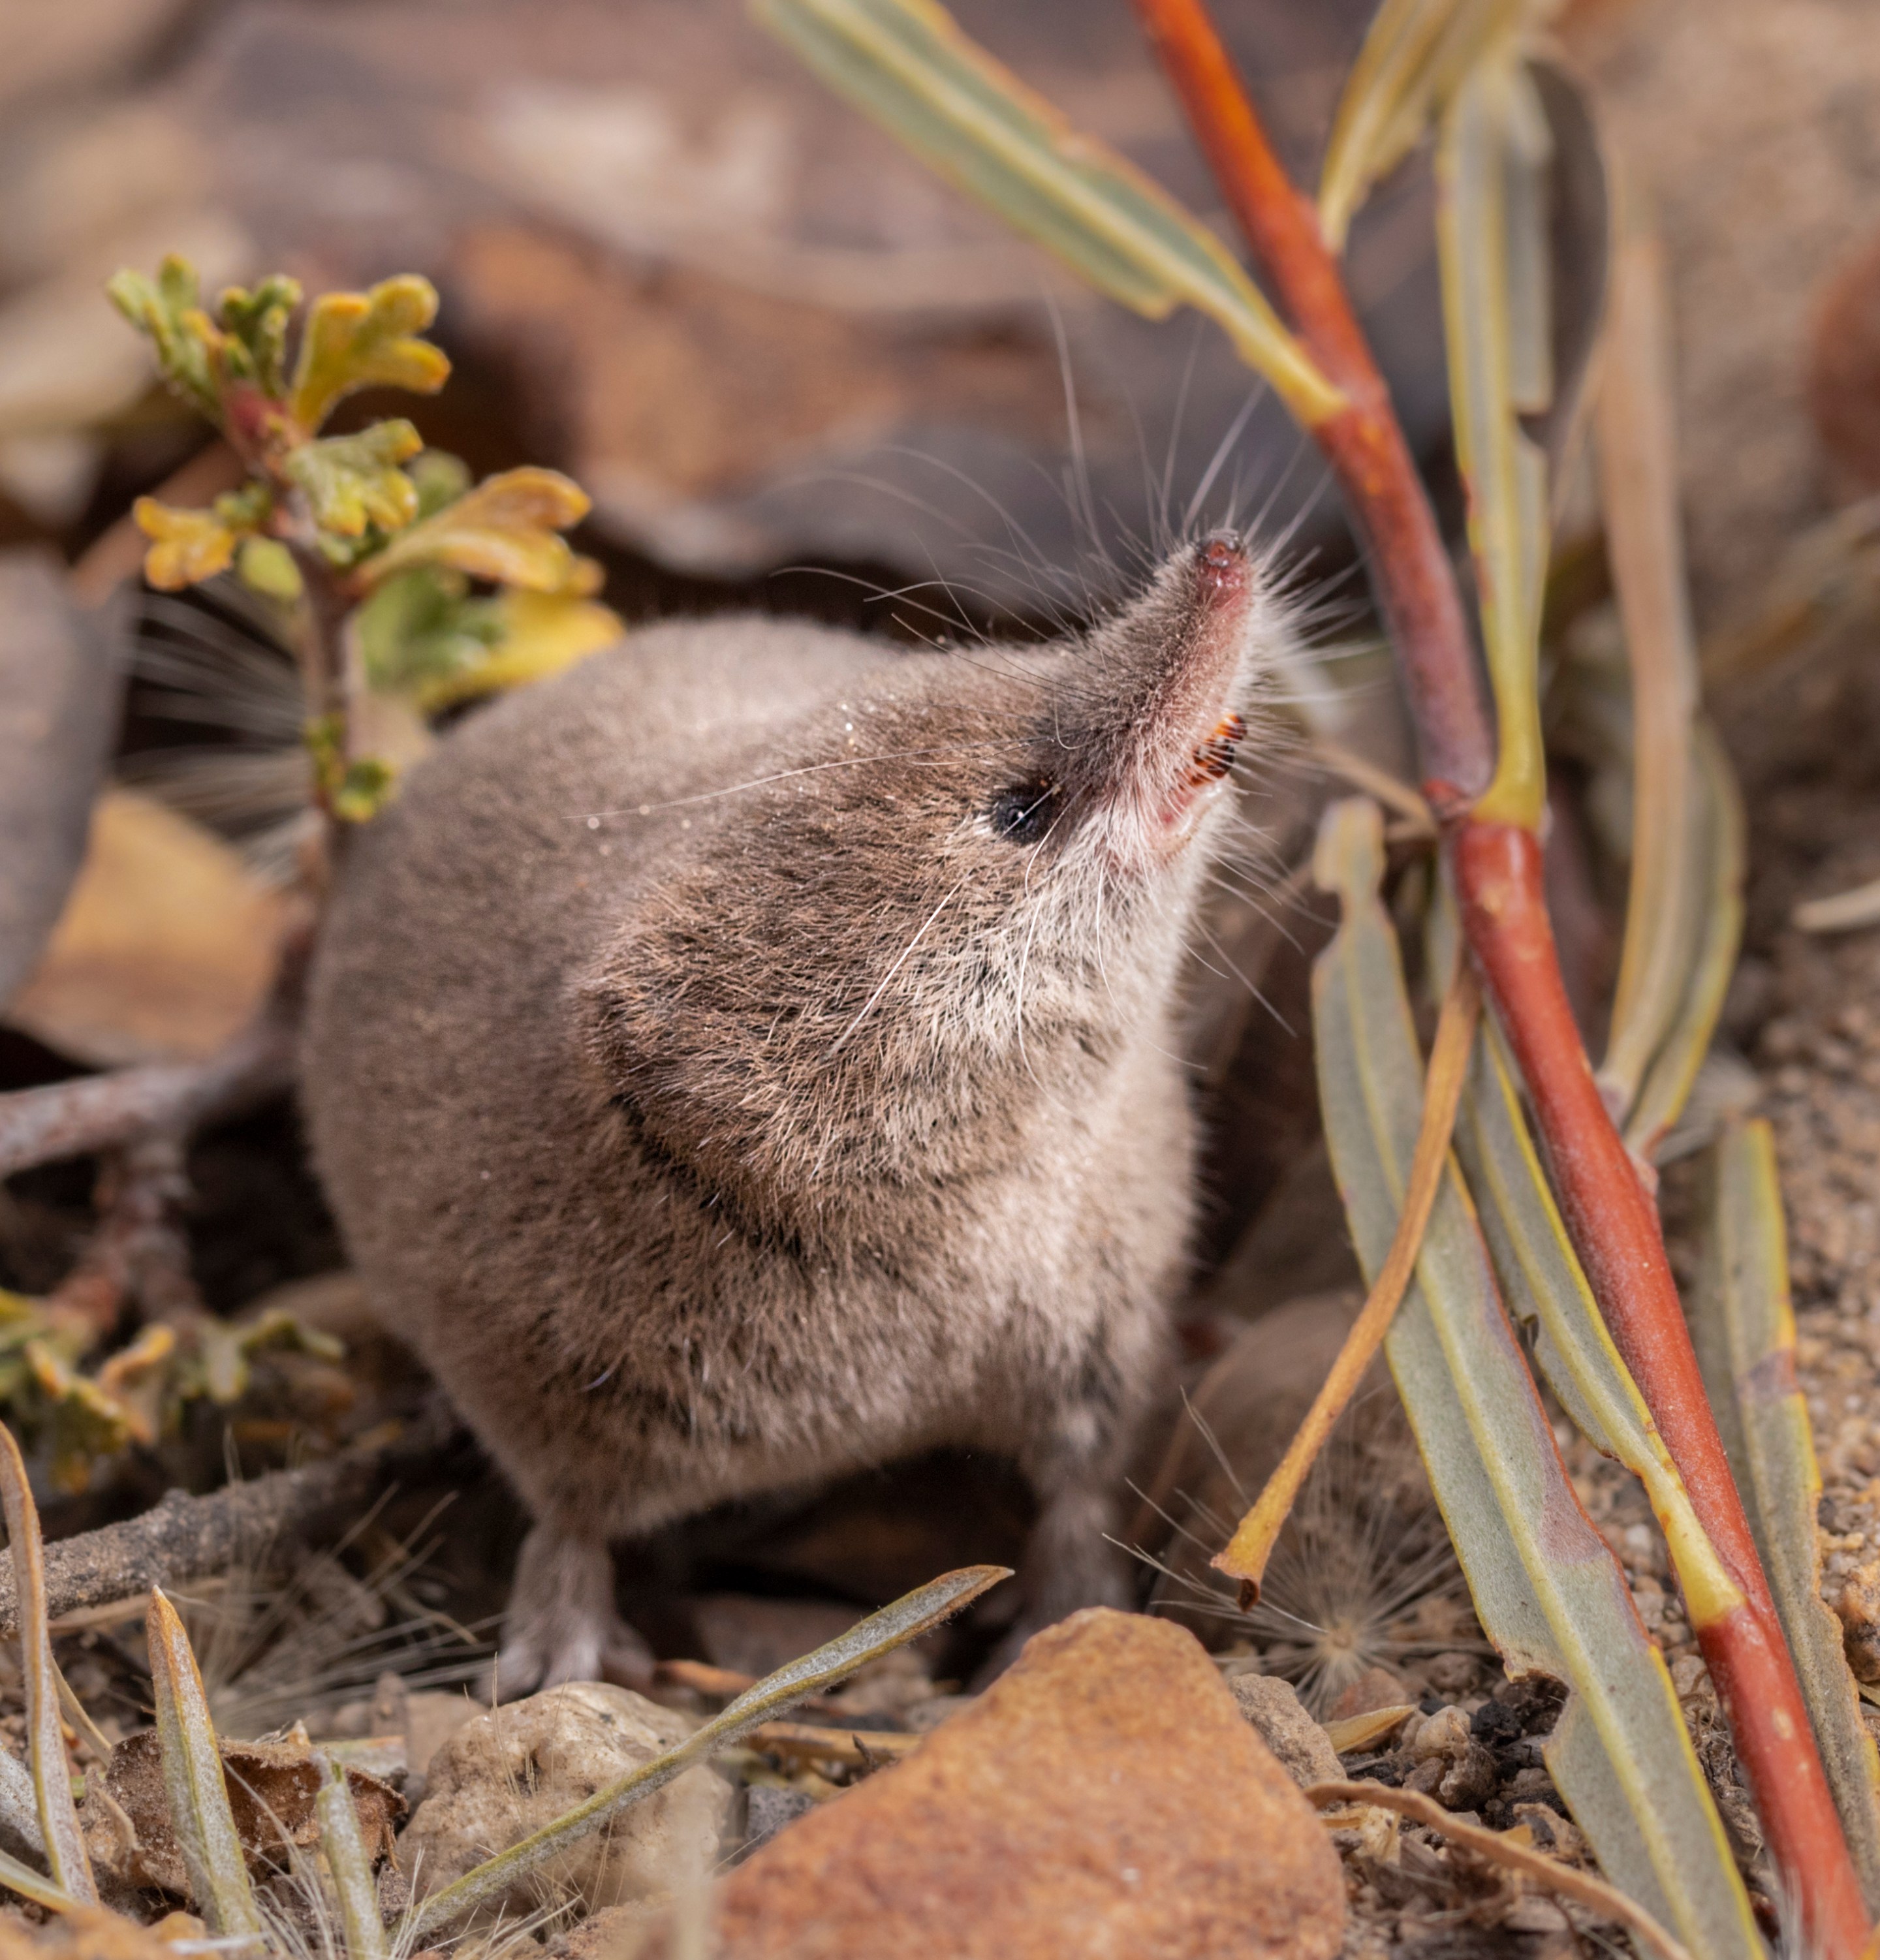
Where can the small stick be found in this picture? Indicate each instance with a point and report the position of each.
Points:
(95, 1113)
(1391, 790)
(1247, 1553)
(1581, 1887)
(810, 1741)
(184, 1538)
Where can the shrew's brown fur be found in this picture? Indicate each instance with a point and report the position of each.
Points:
(752, 1056)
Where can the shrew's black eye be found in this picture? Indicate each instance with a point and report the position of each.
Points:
(1025, 813)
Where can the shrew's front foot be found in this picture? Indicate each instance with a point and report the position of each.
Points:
(562, 1624)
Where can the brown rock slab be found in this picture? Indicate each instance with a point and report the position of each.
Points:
(1104, 1798)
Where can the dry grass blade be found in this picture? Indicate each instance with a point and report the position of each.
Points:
(193, 1780)
(1247, 1553)
(906, 1619)
(906, 64)
(1392, 791)
(76, 1713)
(1828, 580)
(352, 1865)
(1745, 1332)
(1414, 53)
(1844, 912)
(46, 1743)
(1639, 486)
(1581, 1887)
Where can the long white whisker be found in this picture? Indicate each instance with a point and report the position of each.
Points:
(882, 985)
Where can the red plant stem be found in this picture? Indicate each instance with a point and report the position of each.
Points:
(1612, 1219)
(1614, 1226)
(1364, 443)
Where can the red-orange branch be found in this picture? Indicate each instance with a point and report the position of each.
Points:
(1613, 1220)
(1364, 443)
(1615, 1230)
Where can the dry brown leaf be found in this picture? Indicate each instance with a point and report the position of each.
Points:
(271, 1787)
(166, 947)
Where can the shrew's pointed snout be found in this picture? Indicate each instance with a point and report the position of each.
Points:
(1155, 723)
(1223, 566)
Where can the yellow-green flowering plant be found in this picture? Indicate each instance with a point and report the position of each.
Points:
(397, 574)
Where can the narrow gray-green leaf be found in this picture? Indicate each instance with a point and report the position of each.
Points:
(1538, 1269)
(193, 1780)
(351, 1864)
(906, 63)
(44, 1738)
(1713, 901)
(906, 1619)
(1545, 1587)
(1578, 237)
(1638, 455)
(1744, 1328)
(1414, 54)
(19, 1802)
(35, 1885)
(1496, 314)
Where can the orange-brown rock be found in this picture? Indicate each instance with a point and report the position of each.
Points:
(1105, 1798)
(1376, 1687)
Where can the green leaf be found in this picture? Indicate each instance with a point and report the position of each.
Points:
(1490, 169)
(352, 480)
(1672, 874)
(257, 322)
(906, 1619)
(266, 566)
(537, 634)
(1744, 1330)
(441, 478)
(364, 790)
(193, 1780)
(351, 1864)
(1415, 53)
(225, 1348)
(367, 340)
(88, 1424)
(504, 530)
(169, 310)
(1547, 1588)
(422, 629)
(906, 63)
(1708, 904)
(65, 1857)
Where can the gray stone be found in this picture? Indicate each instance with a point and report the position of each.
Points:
(769, 1808)
(1303, 1748)
(507, 1773)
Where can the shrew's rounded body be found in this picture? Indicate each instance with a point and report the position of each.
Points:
(750, 1057)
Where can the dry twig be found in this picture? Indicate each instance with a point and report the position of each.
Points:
(184, 1538)
(1581, 1887)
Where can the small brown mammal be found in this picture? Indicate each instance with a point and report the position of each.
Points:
(753, 1056)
